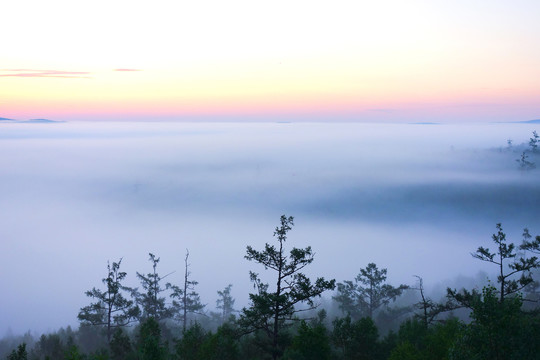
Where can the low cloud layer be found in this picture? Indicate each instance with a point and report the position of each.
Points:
(415, 199)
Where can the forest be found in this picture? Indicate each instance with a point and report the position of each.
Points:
(367, 319)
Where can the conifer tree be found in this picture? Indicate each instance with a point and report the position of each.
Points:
(151, 301)
(150, 346)
(533, 141)
(509, 265)
(111, 309)
(530, 245)
(367, 293)
(272, 310)
(186, 299)
(225, 303)
(20, 354)
(514, 272)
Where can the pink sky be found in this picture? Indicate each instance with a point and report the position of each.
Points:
(307, 61)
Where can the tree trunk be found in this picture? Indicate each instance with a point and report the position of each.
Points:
(276, 306)
(184, 299)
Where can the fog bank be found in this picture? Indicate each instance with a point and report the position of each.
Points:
(414, 198)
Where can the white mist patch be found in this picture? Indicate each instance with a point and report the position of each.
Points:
(415, 199)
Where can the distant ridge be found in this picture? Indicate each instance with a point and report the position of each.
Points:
(40, 121)
(535, 121)
(425, 123)
(31, 121)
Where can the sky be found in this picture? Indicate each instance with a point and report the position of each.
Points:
(375, 61)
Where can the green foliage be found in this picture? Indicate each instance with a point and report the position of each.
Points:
(257, 345)
(441, 338)
(20, 354)
(405, 351)
(222, 345)
(504, 257)
(270, 327)
(413, 332)
(368, 292)
(499, 327)
(387, 344)
(190, 346)
(73, 353)
(310, 343)
(150, 346)
(101, 355)
(499, 330)
(271, 311)
(111, 309)
(120, 345)
(49, 346)
(416, 341)
(197, 344)
(356, 340)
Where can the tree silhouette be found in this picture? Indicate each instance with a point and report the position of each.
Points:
(150, 346)
(367, 293)
(525, 164)
(186, 299)
(152, 303)
(533, 142)
(20, 354)
(509, 266)
(271, 311)
(225, 303)
(429, 309)
(111, 308)
(530, 245)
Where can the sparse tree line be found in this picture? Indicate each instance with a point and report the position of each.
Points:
(526, 151)
(282, 321)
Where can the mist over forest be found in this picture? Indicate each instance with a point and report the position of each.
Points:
(416, 199)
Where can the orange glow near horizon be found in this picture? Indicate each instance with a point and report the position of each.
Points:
(349, 59)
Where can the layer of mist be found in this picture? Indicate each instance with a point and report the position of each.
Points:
(414, 198)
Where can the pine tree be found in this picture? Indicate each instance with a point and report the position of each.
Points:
(149, 341)
(533, 142)
(19, 354)
(271, 311)
(225, 303)
(530, 245)
(509, 265)
(517, 266)
(367, 293)
(186, 299)
(152, 303)
(111, 309)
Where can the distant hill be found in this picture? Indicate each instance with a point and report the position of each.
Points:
(536, 121)
(40, 121)
(31, 121)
